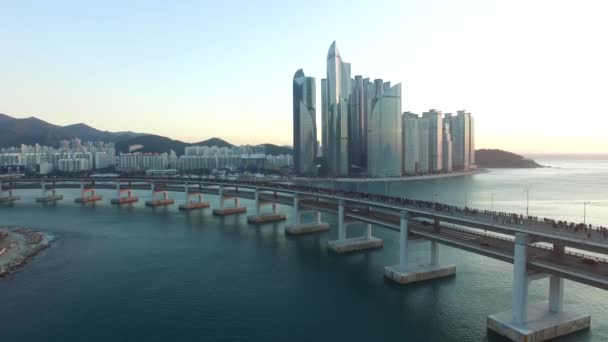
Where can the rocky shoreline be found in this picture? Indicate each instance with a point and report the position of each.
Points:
(18, 245)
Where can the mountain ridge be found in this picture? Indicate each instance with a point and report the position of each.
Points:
(31, 130)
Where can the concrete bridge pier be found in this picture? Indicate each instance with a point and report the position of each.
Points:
(299, 228)
(403, 273)
(87, 195)
(225, 211)
(260, 217)
(157, 202)
(46, 197)
(538, 321)
(8, 197)
(129, 198)
(354, 244)
(189, 203)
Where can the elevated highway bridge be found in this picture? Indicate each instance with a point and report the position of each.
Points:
(538, 249)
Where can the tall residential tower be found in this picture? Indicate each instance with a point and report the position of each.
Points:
(384, 135)
(336, 104)
(304, 124)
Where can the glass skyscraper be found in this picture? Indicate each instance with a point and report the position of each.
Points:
(304, 124)
(336, 104)
(357, 122)
(384, 131)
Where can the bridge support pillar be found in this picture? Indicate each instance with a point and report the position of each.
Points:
(45, 197)
(539, 321)
(158, 202)
(10, 198)
(84, 198)
(434, 253)
(353, 244)
(299, 228)
(123, 199)
(556, 294)
(404, 273)
(341, 227)
(191, 205)
(259, 217)
(225, 211)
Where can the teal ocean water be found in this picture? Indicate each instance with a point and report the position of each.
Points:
(136, 273)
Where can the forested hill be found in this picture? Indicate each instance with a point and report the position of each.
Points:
(487, 158)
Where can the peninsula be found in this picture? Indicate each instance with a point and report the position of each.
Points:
(18, 245)
(495, 159)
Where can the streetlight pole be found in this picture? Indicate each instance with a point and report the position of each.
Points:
(585, 212)
(527, 202)
(465, 199)
(492, 209)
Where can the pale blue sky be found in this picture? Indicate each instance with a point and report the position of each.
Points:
(533, 73)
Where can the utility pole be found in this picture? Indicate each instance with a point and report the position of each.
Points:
(585, 212)
(527, 202)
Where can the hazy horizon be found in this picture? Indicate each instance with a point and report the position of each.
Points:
(532, 73)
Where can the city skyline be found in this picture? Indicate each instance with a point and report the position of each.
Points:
(366, 133)
(135, 75)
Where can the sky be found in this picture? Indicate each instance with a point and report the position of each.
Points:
(532, 72)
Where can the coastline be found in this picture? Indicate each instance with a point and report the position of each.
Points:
(393, 179)
(18, 245)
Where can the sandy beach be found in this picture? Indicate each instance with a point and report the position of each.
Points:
(18, 245)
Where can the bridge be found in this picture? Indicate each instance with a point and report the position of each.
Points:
(538, 249)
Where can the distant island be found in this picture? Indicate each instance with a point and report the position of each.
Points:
(487, 158)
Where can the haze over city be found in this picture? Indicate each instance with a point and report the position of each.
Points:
(532, 73)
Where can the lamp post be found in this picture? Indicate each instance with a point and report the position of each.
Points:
(492, 209)
(356, 182)
(527, 202)
(585, 212)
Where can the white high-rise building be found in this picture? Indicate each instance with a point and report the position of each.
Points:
(447, 147)
(423, 146)
(463, 138)
(410, 143)
(435, 126)
(471, 141)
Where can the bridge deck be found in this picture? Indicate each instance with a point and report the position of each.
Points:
(386, 214)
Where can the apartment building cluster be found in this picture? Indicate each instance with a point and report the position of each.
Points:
(78, 156)
(365, 133)
(437, 143)
(71, 156)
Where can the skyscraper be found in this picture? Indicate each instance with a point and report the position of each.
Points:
(324, 119)
(460, 127)
(447, 147)
(471, 141)
(409, 143)
(423, 146)
(337, 105)
(357, 130)
(304, 124)
(435, 122)
(384, 138)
